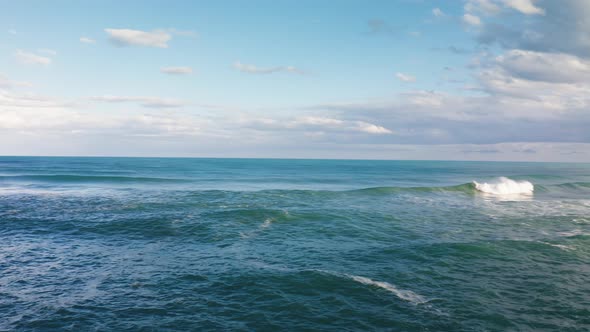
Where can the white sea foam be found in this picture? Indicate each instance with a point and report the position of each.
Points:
(266, 224)
(401, 293)
(574, 232)
(505, 186)
(560, 246)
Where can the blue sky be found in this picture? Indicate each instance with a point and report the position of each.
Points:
(473, 79)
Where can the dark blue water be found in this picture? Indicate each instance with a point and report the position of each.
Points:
(148, 244)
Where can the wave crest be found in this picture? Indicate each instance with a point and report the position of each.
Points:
(505, 186)
(403, 294)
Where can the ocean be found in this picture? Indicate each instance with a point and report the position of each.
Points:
(165, 244)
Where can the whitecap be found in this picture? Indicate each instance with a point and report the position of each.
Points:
(403, 294)
(505, 186)
(560, 246)
(572, 233)
(266, 224)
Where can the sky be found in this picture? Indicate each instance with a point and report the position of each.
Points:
(396, 79)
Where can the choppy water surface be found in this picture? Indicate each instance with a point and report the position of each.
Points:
(115, 244)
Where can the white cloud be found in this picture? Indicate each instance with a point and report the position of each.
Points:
(471, 19)
(47, 117)
(31, 58)
(438, 12)
(564, 27)
(526, 7)
(128, 37)
(318, 121)
(372, 128)
(149, 102)
(547, 67)
(252, 69)
(177, 70)
(487, 7)
(87, 40)
(6, 83)
(313, 125)
(405, 77)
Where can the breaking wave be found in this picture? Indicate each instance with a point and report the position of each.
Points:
(505, 186)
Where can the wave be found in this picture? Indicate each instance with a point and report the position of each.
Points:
(68, 178)
(406, 295)
(505, 186)
(465, 188)
(403, 294)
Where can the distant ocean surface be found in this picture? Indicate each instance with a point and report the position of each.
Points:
(163, 244)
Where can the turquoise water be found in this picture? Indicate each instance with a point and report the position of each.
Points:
(147, 244)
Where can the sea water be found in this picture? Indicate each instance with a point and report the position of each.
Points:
(163, 244)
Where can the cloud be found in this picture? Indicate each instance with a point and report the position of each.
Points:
(486, 7)
(547, 67)
(493, 7)
(372, 128)
(149, 102)
(526, 7)
(553, 94)
(27, 115)
(520, 100)
(405, 77)
(471, 19)
(12, 31)
(252, 69)
(565, 28)
(87, 40)
(314, 125)
(31, 58)
(437, 12)
(427, 124)
(177, 70)
(6, 83)
(128, 37)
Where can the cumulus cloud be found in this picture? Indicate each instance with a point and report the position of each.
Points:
(525, 6)
(493, 7)
(471, 19)
(87, 40)
(252, 69)
(177, 70)
(438, 12)
(405, 77)
(547, 67)
(149, 102)
(31, 58)
(565, 28)
(129, 37)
